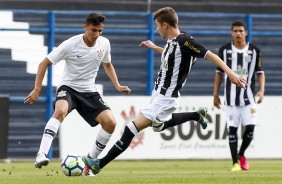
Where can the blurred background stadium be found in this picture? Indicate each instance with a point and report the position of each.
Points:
(29, 29)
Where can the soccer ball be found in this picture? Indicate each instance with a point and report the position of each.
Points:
(72, 165)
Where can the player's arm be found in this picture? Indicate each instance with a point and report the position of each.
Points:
(110, 71)
(33, 95)
(151, 45)
(217, 84)
(261, 82)
(234, 78)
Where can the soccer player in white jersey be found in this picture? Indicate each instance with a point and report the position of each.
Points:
(83, 55)
(245, 59)
(177, 58)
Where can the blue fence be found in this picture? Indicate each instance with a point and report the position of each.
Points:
(215, 25)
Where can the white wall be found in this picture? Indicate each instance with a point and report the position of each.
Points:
(77, 137)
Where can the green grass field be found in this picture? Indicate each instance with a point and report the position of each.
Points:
(154, 172)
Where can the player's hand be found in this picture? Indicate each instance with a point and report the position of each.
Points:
(238, 80)
(32, 97)
(124, 89)
(216, 102)
(147, 44)
(260, 95)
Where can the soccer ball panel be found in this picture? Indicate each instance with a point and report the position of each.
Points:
(72, 165)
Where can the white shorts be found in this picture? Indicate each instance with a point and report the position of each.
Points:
(245, 115)
(160, 108)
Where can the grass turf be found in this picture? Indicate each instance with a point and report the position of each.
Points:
(154, 172)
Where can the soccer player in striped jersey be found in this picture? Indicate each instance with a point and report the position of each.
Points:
(245, 59)
(177, 58)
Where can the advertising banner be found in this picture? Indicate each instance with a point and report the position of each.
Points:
(186, 141)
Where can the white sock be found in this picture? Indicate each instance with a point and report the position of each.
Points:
(102, 139)
(49, 133)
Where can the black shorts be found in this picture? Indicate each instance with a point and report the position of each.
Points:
(89, 105)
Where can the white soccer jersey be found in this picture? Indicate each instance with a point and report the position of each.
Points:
(245, 62)
(82, 62)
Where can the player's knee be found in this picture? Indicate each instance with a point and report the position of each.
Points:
(109, 126)
(60, 114)
(249, 132)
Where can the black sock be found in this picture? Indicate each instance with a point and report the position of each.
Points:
(179, 118)
(247, 139)
(119, 147)
(233, 143)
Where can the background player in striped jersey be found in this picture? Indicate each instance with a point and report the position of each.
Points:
(177, 58)
(245, 59)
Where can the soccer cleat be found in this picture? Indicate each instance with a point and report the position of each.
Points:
(41, 160)
(236, 167)
(88, 171)
(202, 111)
(243, 163)
(93, 164)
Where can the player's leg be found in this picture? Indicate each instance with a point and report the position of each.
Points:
(63, 105)
(248, 120)
(247, 139)
(108, 123)
(233, 145)
(130, 131)
(233, 121)
(95, 111)
(179, 118)
(121, 145)
(50, 131)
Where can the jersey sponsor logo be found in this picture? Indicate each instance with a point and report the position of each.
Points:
(188, 44)
(242, 72)
(62, 93)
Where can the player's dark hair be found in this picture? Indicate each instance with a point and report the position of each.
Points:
(168, 15)
(95, 19)
(239, 23)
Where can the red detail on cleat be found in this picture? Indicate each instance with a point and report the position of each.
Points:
(243, 163)
(86, 170)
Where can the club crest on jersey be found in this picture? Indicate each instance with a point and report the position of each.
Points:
(100, 54)
(248, 58)
(62, 93)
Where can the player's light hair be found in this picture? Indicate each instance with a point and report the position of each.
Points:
(95, 19)
(167, 15)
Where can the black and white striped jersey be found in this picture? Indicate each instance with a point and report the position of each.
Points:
(245, 62)
(176, 61)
